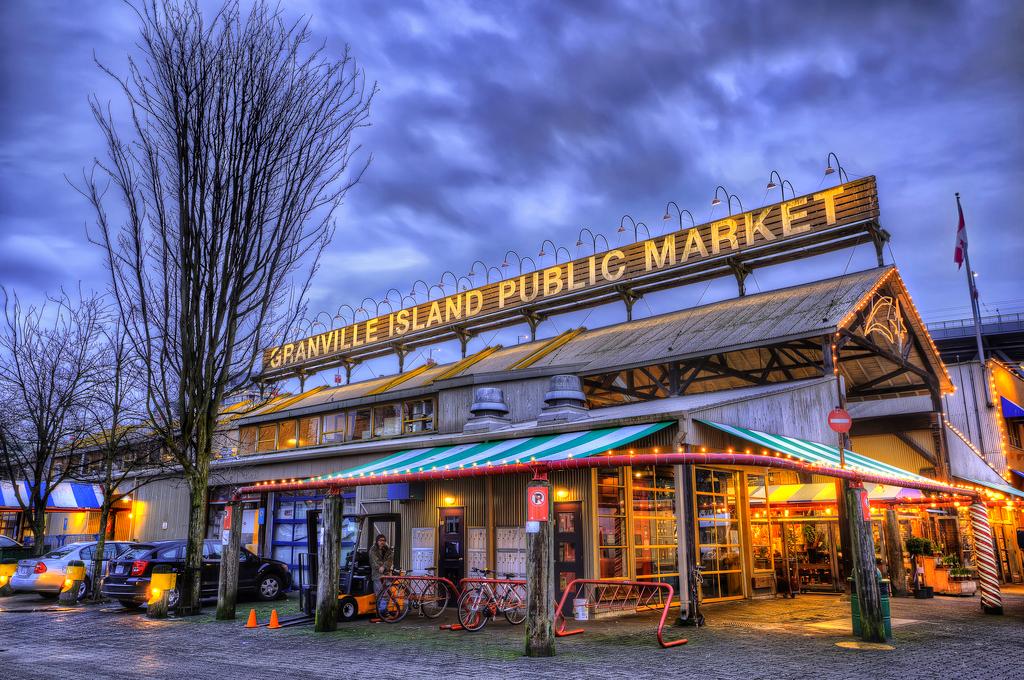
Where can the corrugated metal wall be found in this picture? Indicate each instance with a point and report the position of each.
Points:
(798, 413)
(889, 449)
(523, 397)
(162, 501)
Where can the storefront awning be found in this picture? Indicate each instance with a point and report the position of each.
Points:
(813, 452)
(503, 452)
(824, 493)
(998, 487)
(1010, 409)
(65, 496)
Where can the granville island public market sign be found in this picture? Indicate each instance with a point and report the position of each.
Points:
(845, 204)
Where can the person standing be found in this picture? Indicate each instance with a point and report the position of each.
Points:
(382, 558)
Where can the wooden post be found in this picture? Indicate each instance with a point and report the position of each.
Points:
(328, 566)
(540, 583)
(894, 554)
(687, 555)
(227, 585)
(865, 576)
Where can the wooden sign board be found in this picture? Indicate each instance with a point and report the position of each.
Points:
(847, 204)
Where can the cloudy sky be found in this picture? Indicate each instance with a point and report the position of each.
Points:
(501, 124)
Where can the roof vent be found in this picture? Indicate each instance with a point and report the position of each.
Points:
(488, 412)
(564, 401)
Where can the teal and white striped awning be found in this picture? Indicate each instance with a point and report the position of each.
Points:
(503, 452)
(813, 452)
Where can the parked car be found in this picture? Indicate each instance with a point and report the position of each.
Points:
(127, 580)
(45, 575)
(11, 550)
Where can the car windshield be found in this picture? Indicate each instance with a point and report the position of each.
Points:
(6, 542)
(62, 552)
(135, 553)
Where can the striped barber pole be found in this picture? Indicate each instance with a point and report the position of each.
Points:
(985, 557)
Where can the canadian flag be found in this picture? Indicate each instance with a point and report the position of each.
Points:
(961, 237)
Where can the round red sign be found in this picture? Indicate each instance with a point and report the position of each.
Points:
(839, 420)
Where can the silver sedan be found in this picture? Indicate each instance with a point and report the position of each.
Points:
(45, 575)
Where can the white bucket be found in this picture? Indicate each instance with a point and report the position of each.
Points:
(582, 611)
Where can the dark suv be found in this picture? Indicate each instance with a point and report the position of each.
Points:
(127, 581)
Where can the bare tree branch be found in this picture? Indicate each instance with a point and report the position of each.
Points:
(238, 152)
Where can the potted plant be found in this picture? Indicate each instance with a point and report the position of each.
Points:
(919, 547)
(962, 581)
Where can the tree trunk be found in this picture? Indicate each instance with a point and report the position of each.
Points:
(190, 588)
(39, 529)
(894, 554)
(328, 566)
(227, 586)
(540, 586)
(101, 540)
(864, 571)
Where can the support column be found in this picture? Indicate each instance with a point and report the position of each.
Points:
(227, 584)
(328, 566)
(894, 553)
(689, 595)
(540, 583)
(985, 560)
(869, 594)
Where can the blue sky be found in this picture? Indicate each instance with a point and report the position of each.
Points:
(501, 124)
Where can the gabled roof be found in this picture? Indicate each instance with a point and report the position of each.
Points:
(801, 311)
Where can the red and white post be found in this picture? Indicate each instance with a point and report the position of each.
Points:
(985, 558)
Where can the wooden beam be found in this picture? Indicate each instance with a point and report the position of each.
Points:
(920, 450)
(227, 583)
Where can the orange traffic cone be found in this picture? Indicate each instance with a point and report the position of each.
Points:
(251, 623)
(273, 620)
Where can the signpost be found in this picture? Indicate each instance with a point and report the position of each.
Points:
(840, 421)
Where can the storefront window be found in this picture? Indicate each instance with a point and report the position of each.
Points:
(760, 523)
(247, 440)
(334, 428)
(287, 437)
(308, 432)
(655, 540)
(361, 424)
(611, 523)
(387, 420)
(9, 524)
(718, 533)
(419, 415)
(267, 440)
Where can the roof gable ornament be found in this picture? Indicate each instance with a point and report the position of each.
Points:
(885, 318)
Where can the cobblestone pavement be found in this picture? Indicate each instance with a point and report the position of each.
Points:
(941, 638)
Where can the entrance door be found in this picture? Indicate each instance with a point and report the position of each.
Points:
(568, 546)
(451, 544)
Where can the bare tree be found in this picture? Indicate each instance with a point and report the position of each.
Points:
(119, 446)
(48, 362)
(227, 178)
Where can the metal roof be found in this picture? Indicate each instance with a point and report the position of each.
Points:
(800, 311)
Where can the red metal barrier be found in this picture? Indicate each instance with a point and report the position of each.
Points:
(612, 596)
(493, 582)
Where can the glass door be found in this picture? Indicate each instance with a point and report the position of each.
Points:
(718, 533)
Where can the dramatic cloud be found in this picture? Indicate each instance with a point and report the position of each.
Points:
(501, 124)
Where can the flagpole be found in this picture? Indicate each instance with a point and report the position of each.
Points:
(975, 311)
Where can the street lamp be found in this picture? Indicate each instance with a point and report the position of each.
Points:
(636, 227)
(781, 184)
(593, 239)
(728, 197)
(679, 212)
(843, 177)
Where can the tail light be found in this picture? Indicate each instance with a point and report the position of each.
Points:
(40, 568)
(139, 567)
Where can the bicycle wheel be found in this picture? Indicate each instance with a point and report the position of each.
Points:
(473, 609)
(393, 604)
(514, 607)
(434, 600)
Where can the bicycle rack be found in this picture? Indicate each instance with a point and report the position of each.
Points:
(417, 586)
(605, 596)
